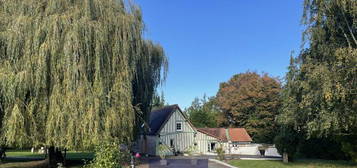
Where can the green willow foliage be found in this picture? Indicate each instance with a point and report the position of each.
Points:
(71, 71)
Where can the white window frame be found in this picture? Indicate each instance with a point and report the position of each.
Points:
(181, 129)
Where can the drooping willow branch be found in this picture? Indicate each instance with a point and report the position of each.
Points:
(71, 71)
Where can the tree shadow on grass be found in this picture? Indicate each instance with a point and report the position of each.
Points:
(23, 159)
(22, 164)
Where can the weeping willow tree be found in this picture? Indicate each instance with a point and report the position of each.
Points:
(73, 71)
(147, 79)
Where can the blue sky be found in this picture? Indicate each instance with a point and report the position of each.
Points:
(208, 41)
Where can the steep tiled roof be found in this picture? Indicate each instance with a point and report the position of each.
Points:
(239, 134)
(159, 117)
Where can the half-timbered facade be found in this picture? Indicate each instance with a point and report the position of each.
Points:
(170, 126)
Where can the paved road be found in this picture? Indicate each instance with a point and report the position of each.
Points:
(184, 161)
(180, 163)
(215, 165)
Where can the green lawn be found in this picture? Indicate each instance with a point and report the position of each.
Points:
(297, 164)
(24, 158)
(71, 155)
(23, 153)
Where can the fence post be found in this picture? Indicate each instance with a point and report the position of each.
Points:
(285, 157)
(132, 163)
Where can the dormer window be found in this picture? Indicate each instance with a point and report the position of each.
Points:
(178, 126)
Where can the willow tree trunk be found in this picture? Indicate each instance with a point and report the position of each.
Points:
(54, 157)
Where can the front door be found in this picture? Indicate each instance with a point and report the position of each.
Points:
(213, 146)
(172, 143)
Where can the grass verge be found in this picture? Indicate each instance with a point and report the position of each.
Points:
(306, 163)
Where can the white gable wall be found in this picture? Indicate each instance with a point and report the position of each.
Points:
(246, 150)
(203, 140)
(181, 139)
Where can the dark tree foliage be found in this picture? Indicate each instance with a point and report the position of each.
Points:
(158, 101)
(320, 94)
(321, 148)
(151, 71)
(204, 113)
(287, 141)
(251, 101)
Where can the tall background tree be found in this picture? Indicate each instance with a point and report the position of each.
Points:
(320, 95)
(251, 101)
(204, 112)
(158, 101)
(71, 72)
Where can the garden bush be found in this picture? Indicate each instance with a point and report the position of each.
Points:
(109, 155)
(220, 153)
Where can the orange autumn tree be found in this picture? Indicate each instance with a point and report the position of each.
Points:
(251, 101)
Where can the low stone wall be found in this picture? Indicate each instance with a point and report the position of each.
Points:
(245, 150)
(253, 149)
(272, 151)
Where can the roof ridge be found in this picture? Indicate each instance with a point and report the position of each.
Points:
(166, 106)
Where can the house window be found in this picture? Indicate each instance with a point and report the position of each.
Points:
(178, 126)
(235, 144)
(211, 147)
